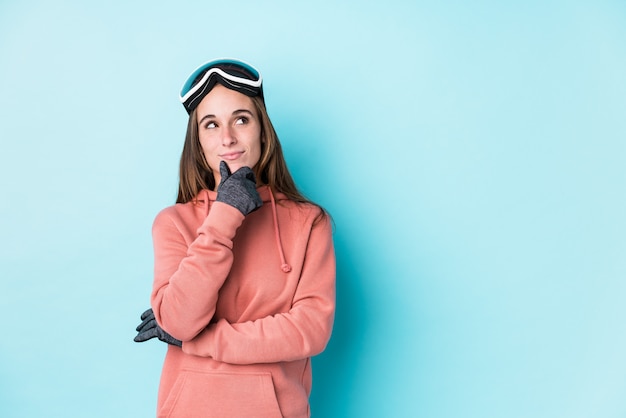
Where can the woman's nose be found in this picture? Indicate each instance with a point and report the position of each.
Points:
(228, 137)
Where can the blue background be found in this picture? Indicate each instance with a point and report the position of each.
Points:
(471, 153)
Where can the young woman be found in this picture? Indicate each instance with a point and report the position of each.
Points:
(244, 277)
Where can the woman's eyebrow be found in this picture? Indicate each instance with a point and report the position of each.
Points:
(235, 112)
(205, 117)
(242, 111)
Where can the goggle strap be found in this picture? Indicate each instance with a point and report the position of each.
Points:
(227, 77)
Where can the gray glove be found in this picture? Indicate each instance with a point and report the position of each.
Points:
(238, 189)
(149, 329)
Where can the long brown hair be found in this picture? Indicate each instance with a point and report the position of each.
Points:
(195, 173)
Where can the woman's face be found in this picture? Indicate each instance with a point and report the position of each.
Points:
(229, 130)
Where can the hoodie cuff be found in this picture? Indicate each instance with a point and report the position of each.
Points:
(203, 345)
(222, 218)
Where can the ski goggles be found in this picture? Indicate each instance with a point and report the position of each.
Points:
(231, 73)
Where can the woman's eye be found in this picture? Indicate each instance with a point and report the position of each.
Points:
(241, 121)
(210, 125)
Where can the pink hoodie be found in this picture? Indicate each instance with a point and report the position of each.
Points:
(252, 298)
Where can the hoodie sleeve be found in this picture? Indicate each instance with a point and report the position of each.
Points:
(302, 332)
(187, 278)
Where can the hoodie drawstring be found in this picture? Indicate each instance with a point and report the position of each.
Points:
(284, 266)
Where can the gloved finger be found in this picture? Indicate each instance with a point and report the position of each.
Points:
(242, 172)
(146, 325)
(146, 319)
(146, 335)
(224, 170)
(147, 314)
(250, 176)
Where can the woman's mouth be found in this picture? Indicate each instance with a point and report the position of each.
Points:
(231, 156)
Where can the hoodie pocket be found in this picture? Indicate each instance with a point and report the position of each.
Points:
(221, 394)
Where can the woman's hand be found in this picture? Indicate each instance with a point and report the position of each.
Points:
(238, 189)
(149, 329)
